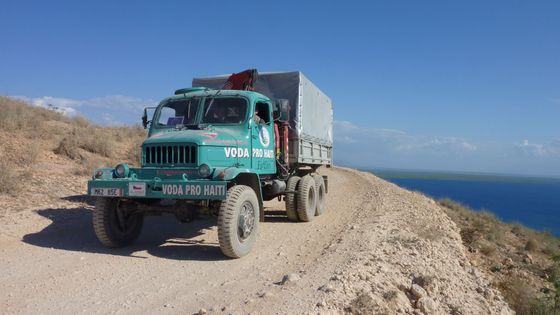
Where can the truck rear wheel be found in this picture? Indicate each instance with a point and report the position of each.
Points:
(321, 194)
(290, 198)
(238, 221)
(306, 199)
(113, 226)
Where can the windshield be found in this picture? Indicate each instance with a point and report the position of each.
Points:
(224, 110)
(180, 112)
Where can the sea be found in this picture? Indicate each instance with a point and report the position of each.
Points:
(531, 201)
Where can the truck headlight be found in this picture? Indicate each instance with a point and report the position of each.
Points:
(122, 170)
(204, 170)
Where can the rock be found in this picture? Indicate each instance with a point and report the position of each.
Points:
(289, 278)
(354, 227)
(508, 262)
(202, 311)
(426, 305)
(321, 304)
(528, 259)
(417, 291)
(265, 294)
(326, 288)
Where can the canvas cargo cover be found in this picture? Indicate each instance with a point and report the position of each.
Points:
(311, 113)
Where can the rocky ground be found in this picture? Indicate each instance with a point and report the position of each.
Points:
(378, 250)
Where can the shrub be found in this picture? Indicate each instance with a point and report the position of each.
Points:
(519, 295)
(488, 249)
(134, 153)
(68, 147)
(94, 141)
(81, 121)
(9, 181)
(30, 155)
(87, 166)
(531, 245)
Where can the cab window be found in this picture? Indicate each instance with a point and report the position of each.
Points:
(180, 112)
(262, 113)
(224, 110)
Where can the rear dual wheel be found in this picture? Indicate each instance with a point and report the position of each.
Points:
(305, 197)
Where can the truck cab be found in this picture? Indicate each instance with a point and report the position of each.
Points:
(208, 150)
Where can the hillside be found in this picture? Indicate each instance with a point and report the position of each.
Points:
(379, 249)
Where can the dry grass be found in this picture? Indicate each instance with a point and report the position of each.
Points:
(526, 251)
(18, 115)
(35, 129)
(9, 179)
(87, 165)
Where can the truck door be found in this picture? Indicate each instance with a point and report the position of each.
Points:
(262, 139)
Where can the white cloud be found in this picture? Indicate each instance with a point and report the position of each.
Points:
(550, 149)
(107, 110)
(400, 141)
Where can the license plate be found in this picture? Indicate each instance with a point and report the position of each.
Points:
(106, 192)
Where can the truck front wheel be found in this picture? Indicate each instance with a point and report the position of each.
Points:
(238, 221)
(113, 226)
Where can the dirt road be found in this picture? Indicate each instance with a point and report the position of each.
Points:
(365, 254)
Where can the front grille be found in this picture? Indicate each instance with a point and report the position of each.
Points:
(169, 155)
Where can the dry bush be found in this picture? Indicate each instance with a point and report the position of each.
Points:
(91, 139)
(130, 133)
(488, 249)
(9, 180)
(531, 245)
(475, 225)
(87, 165)
(134, 153)
(96, 141)
(68, 147)
(81, 122)
(362, 304)
(30, 155)
(519, 295)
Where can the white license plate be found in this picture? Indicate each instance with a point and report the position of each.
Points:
(106, 192)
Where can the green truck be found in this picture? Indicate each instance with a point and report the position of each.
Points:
(222, 152)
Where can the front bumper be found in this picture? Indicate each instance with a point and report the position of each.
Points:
(158, 189)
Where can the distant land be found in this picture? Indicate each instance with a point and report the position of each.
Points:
(530, 200)
(462, 176)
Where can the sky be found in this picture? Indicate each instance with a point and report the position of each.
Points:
(468, 86)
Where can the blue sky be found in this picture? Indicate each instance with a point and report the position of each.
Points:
(439, 85)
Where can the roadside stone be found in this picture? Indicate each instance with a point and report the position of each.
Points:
(417, 291)
(426, 305)
(264, 294)
(289, 278)
(202, 311)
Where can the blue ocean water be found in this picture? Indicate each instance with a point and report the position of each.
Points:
(534, 203)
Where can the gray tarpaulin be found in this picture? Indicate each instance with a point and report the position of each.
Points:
(311, 111)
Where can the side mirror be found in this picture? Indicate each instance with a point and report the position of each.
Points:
(283, 110)
(145, 119)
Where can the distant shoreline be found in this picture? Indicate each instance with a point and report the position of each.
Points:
(458, 176)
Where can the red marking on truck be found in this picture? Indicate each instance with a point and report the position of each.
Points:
(210, 135)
